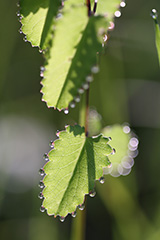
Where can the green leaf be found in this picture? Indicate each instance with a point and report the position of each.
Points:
(107, 8)
(75, 163)
(73, 54)
(154, 15)
(126, 144)
(37, 20)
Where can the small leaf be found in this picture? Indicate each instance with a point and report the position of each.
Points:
(75, 163)
(126, 144)
(73, 54)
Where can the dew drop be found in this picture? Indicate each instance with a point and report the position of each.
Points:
(42, 209)
(45, 157)
(41, 184)
(42, 69)
(41, 195)
(113, 151)
(41, 74)
(57, 133)
(62, 219)
(72, 104)
(66, 111)
(117, 14)
(92, 194)
(102, 180)
(134, 142)
(105, 38)
(81, 206)
(95, 69)
(51, 144)
(126, 129)
(85, 86)
(154, 14)
(41, 172)
(40, 50)
(112, 25)
(18, 14)
(59, 15)
(20, 31)
(73, 214)
(123, 4)
(81, 90)
(109, 166)
(18, 4)
(77, 99)
(109, 138)
(25, 39)
(120, 169)
(89, 78)
(126, 164)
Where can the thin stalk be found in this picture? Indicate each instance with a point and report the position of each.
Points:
(79, 223)
(88, 3)
(87, 112)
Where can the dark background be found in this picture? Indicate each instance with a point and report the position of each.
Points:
(127, 89)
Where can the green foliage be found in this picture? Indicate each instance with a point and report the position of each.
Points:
(75, 163)
(72, 52)
(38, 17)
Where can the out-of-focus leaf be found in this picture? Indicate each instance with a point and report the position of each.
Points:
(126, 149)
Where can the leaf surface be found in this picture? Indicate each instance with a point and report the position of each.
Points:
(73, 54)
(73, 41)
(37, 21)
(74, 50)
(75, 163)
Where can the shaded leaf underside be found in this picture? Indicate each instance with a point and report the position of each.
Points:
(75, 163)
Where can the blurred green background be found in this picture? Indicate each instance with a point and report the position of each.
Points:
(127, 89)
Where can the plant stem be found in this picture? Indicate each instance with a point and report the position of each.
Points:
(87, 112)
(88, 3)
(79, 226)
(79, 223)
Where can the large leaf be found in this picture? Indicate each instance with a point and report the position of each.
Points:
(72, 55)
(74, 50)
(75, 163)
(107, 7)
(37, 20)
(126, 144)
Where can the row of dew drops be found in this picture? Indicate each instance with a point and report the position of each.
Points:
(42, 186)
(126, 163)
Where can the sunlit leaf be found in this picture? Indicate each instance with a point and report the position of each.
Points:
(37, 20)
(74, 164)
